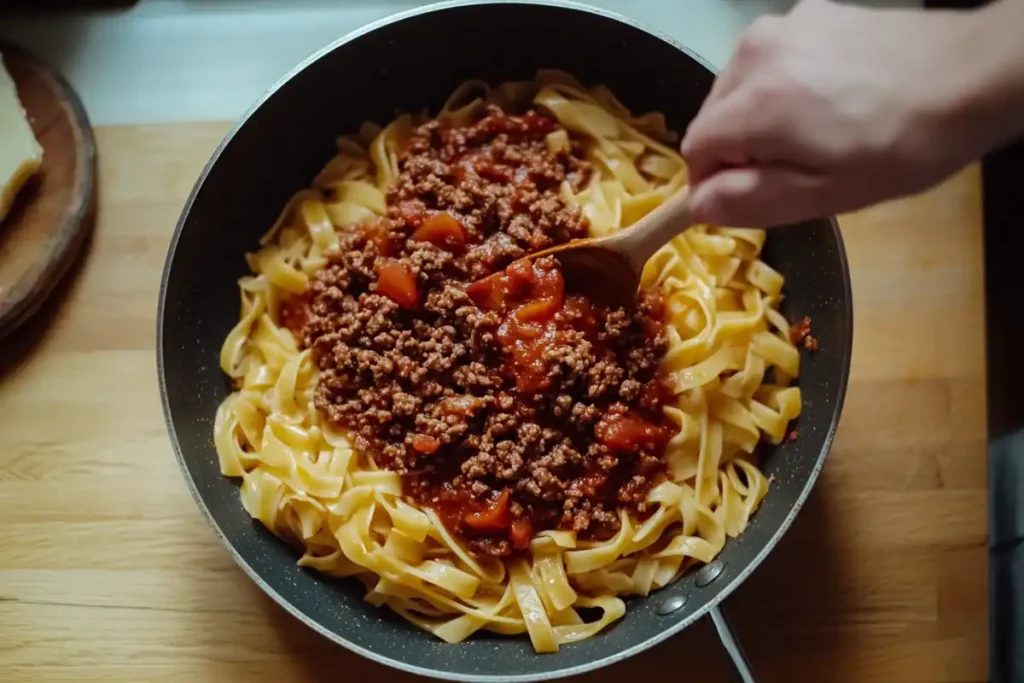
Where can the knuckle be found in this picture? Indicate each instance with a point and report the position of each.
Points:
(759, 37)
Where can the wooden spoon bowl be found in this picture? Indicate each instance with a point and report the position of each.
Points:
(608, 269)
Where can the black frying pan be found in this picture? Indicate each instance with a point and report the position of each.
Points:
(404, 63)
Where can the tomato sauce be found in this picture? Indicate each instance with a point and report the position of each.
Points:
(541, 409)
(295, 313)
(530, 296)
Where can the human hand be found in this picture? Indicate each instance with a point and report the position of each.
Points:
(831, 108)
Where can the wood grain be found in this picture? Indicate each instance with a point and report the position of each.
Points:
(52, 214)
(108, 572)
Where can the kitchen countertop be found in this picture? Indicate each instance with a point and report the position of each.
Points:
(109, 573)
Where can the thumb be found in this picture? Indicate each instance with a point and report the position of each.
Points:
(758, 197)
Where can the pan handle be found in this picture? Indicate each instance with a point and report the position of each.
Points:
(741, 667)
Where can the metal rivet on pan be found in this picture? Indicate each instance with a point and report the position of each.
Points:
(709, 573)
(670, 605)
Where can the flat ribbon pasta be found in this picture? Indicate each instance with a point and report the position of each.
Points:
(730, 363)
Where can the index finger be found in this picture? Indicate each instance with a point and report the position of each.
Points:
(728, 133)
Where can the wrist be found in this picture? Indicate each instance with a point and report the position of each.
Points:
(989, 95)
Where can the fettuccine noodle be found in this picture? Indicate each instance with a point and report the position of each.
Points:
(306, 483)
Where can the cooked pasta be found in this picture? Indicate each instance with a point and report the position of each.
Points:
(730, 365)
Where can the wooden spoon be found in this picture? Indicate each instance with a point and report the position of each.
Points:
(607, 269)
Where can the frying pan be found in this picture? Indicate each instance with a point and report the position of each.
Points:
(405, 63)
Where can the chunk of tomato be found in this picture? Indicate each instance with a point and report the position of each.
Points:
(442, 230)
(628, 433)
(377, 232)
(422, 443)
(396, 281)
(521, 533)
(494, 517)
(521, 272)
(489, 293)
(537, 311)
(549, 283)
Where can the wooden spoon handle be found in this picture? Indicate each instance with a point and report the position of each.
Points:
(657, 228)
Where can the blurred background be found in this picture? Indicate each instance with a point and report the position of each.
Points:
(153, 61)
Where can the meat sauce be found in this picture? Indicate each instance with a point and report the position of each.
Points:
(507, 404)
(531, 299)
(295, 313)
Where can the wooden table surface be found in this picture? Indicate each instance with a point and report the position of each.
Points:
(108, 571)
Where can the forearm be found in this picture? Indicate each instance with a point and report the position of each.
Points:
(992, 99)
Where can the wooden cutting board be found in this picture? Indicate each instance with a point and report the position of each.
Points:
(52, 215)
(109, 573)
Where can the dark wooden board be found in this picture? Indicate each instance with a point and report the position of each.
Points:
(54, 212)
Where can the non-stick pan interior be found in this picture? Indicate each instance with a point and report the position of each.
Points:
(405, 65)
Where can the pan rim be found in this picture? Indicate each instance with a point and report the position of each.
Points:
(561, 672)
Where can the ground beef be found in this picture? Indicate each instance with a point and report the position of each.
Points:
(800, 333)
(503, 426)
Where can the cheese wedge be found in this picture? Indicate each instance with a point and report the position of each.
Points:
(20, 153)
